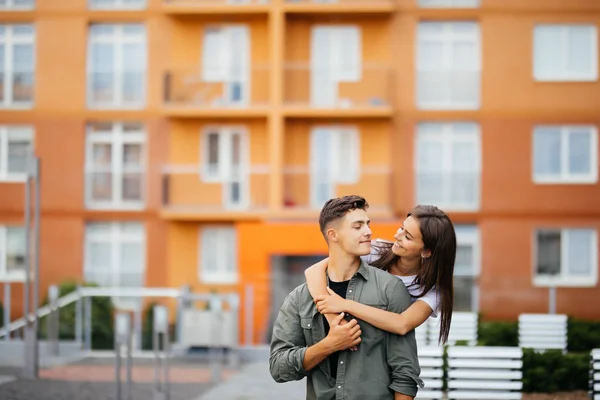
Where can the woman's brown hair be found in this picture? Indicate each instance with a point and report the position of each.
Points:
(437, 270)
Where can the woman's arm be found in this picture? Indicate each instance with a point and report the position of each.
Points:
(316, 278)
(389, 321)
(415, 315)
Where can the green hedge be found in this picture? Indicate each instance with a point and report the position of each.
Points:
(553, 371)
(102, 318)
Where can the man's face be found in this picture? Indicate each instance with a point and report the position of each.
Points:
(354, 233)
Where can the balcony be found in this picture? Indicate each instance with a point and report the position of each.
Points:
(189, 192)
(230, 7)
(305, 192)
(452, 191)
(16, 89)
(339, 6)
(317, 92)
(448, 90)
(191, 93)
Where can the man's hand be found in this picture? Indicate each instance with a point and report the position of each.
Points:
(343, 336)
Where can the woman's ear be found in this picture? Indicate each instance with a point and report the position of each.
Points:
(426, 253)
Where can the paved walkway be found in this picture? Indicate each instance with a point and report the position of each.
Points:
(254, 382)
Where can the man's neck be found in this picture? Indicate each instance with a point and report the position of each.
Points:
(342, 266)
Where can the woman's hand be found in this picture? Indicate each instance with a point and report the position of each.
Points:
(332, 304)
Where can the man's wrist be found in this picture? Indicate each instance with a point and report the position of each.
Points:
(326, 346)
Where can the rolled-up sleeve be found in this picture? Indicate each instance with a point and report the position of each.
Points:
(402, 349)
(288, 345)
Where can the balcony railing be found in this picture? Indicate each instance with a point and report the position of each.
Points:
(307, 191)
(341, 2)
(452, 190)
(370, 86)
(16, 88)
(193, 88)
(445, 89)
(211, 3)
(190, 188)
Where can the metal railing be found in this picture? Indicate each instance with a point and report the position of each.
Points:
(368, 85)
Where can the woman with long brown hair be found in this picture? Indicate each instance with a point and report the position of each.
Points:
(422, 256)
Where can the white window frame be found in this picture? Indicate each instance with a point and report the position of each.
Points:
(349, 175)
(11, 6)
(227, 245)
(469, 235)
(222, 74)
(8, 133)
(447, 38)
(564, 176)
(324, 85)
(449, 3)
(9, 40)
(565, 75)
(224, 173)
(117, 239)
(563, 279)
(118, 5)
(15, 276)
(118, 39)
(117, 140)
(447, 136)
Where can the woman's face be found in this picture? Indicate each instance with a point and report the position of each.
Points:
(408, 240)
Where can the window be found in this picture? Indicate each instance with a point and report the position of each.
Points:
(566, 257)
(226, 59)
(565, 53)
(449, 3)
(115, 165)
(117, 66)
(467, 268)
(448, 66)
(448, 165)
(218, 255)
(565, 154)
(17, 65)
(17, 4)
(117, 4)
(12, 253)
(334, 159)
(225, 155)
(335, 57)
(115, 257)
(16, 145)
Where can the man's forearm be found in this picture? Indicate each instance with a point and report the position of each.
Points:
(400, 396)
(316, 353)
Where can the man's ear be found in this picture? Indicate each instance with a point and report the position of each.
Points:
(331, 235)
(426, 253)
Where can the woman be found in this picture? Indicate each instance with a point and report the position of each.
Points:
(422, 256)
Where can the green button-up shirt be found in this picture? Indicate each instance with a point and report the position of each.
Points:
(384, 362)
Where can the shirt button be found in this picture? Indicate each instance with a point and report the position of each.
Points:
(339, 387)
(308, 325)
(341, 362)
(350, 290)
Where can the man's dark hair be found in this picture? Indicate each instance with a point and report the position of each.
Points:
(338, 207)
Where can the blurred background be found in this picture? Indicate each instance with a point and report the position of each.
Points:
(190, 144)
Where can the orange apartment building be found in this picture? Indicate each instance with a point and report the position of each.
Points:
(192, 142)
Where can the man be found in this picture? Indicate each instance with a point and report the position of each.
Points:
(384, 365)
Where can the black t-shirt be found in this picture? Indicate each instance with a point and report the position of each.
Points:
(340, 289)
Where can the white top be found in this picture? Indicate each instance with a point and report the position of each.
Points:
(431, 298)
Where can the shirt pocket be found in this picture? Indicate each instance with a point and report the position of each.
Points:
(307, 327)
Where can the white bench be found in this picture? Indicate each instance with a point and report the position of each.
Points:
(431, 360)
(543, 331)
(595, 374)
(481, 372)
(462, 328)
